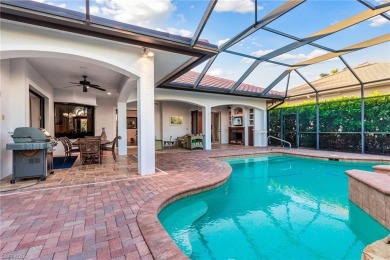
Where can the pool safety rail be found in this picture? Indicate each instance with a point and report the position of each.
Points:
(273, 137)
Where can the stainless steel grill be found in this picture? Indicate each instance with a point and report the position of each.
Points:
(32, 153)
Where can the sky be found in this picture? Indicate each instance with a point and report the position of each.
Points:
(181, 17)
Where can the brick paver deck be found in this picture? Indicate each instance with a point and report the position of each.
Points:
(108, 211)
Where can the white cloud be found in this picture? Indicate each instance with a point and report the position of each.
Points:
(217, 72)
(192, 6)
(94, 10)
(138, 12)
(239, 6)
(175, 31)
(182, 19)
(258, 53)
(255, 43)
(220, 42)
(286, 56)
(378, 21)
(300, 56)
(316, 53)
(63, 5)
(247, 60)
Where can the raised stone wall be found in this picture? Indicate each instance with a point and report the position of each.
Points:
(371, 192)
(382, 169)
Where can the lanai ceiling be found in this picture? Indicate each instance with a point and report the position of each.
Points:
(261, 48)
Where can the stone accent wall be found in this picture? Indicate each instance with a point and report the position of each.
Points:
(371, 192)
(382, 169)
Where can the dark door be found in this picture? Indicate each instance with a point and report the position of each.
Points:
(250, 136)
(37, 110)
(290, 129)
(194, 122)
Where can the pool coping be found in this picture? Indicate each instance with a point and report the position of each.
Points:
(377, 181)
(160, 244)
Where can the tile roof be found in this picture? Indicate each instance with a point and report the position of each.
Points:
(367, 72)
(209, 81)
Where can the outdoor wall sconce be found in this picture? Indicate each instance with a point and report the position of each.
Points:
(146, 52)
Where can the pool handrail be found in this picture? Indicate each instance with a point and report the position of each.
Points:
(274, 137)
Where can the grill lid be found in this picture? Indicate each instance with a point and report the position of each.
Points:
(28, 135)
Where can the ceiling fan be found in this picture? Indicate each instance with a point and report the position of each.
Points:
(86, 84)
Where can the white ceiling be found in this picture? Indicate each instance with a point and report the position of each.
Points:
(60, 72)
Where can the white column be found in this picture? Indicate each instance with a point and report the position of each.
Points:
(145, 113)
(122, 128)
(246, 125)
(206, 127)
(257, 127)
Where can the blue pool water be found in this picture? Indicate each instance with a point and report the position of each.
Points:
(274, 207)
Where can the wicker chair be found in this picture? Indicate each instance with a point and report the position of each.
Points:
(111, 146)
(90, 151)
(68, 148)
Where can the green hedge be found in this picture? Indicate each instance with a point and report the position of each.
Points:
(377, 114)
(340, 116)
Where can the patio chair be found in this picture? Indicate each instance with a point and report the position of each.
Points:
(182, 141)
(68, 148)
(111, 146)
(90, 151)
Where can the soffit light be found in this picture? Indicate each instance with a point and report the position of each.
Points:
(146, 52)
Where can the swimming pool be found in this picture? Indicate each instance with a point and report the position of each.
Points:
(274, 207)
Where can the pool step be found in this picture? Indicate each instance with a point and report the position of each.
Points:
(184, 218)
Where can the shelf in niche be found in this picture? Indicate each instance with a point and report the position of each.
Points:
(251, 117)
(237, 111)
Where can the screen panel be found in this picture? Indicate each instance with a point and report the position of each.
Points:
(360, 32)
(314, 15)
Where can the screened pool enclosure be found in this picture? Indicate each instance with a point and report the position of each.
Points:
(311, 60)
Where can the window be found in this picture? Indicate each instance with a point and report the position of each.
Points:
(74, 120)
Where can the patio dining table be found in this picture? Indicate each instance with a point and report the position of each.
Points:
(89, 150)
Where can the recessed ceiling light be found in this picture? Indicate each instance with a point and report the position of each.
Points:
(108, 93)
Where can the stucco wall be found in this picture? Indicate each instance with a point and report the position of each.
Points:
(175, 109)
(17, 76)
(69, 96)
(105, 116)
(5, 67)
